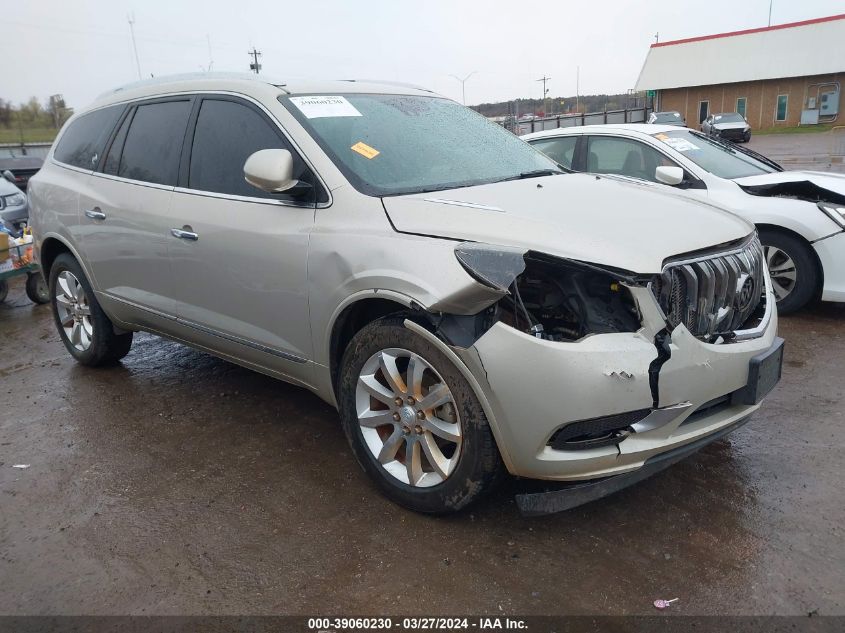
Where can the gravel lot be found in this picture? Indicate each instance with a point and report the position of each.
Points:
(177, 483)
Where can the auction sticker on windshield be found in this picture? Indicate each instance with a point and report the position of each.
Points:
(324, 106)
(679, 144)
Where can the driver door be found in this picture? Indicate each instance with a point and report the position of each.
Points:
(238, 254)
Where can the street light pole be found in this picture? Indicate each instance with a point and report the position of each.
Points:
(463, 85)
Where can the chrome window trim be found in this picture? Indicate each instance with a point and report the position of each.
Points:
(201, 93)
(130, 181)
(229, 196)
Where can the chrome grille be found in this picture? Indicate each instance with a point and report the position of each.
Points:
(713, 295)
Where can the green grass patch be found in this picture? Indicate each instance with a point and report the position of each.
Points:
(798, 129)
(30, 135)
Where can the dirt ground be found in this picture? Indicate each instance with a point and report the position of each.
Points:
(177, 483)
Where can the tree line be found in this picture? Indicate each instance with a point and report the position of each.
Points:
(51, 113)
(559, 105)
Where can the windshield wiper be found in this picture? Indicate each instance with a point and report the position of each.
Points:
(536, 173)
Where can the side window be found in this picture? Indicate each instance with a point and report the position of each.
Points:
(83, 142)
(560, 149)
(626, 157)
(112, 163)
(154, 142)
(226, 134)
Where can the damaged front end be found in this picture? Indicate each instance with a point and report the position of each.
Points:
(590, 371)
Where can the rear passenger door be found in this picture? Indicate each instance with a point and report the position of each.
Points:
(125, 212)
(241, 269)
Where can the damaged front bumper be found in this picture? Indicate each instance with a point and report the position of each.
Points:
(535, 387)
(831, 253)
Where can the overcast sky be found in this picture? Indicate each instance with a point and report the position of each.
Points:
(81, 48)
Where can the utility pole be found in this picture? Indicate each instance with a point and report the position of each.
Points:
(131, 19)
(578, 89)
(254, 66)
(657, 37)
(544, 79)
(463, 85)
(210, 58)
(770, 12)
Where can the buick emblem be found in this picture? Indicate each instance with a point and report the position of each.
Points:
(746, 294)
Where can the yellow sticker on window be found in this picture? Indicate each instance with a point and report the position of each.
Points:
(365, 150)
(661, 136)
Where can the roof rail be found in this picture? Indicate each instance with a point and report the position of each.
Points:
(167, 79)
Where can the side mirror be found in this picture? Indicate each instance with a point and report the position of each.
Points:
(270, 170)
(10, 177)
(669, 175)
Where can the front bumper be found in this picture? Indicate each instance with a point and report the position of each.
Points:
(831, 252)
(733, 134)
(533, 387)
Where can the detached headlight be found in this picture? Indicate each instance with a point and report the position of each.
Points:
(836, 212)
(15, 200)
(494, 266)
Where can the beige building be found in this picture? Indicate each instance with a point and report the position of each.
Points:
(780, 75)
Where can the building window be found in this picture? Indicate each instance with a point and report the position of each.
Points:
(783, 100)
(703, 110)
(740, 106)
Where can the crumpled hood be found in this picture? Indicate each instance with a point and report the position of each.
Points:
(602, 220)
(823, 180)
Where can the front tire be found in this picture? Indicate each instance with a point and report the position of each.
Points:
(84, 328)
(793, 269)
(414, 423)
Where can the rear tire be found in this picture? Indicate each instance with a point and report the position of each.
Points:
(793, 269)
(86, 331)
(37, 289)
(453, 456)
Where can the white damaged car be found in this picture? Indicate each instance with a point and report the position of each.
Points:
(468, 307)
(800, 215)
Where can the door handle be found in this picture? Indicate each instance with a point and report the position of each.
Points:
(95, 214)
(184, 234)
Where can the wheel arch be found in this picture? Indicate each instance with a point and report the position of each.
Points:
(774, 228)
(352, 317)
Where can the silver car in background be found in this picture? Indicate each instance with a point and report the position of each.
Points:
(730, 126)
(468, 306)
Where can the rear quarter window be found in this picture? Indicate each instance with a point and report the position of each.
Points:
(83, 142)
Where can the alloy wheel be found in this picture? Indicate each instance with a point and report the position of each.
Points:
(781, 270)
(408, 417)
(74, 310)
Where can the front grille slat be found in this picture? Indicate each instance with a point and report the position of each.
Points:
(714, 294)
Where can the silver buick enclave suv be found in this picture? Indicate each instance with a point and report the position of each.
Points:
(468, 306)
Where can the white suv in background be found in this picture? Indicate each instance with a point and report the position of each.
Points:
(465, 304)
(800, 214)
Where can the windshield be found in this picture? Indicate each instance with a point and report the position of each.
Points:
(717, 158)
(397, 144)
(667, 117)
(731, 117)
